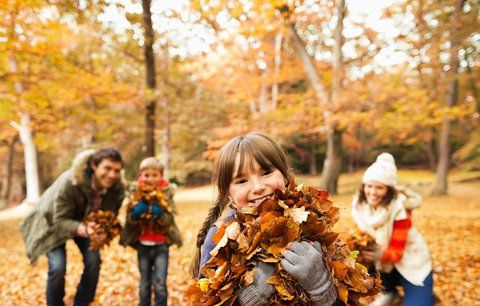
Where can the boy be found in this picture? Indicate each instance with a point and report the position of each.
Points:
(151, 236)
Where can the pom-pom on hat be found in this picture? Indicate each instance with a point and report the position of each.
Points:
(383, 171)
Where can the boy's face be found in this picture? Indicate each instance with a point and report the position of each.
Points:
(151, 176)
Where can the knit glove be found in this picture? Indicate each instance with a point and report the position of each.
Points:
(260, 290)
(138, 210)
(304, 262)
(156, 210)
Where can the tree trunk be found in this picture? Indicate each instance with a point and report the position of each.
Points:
(313, 158)
(441, 182)
(308, 65)
(430, 154)
(262, 96)
(150, 78)
(30, 153)
(333, 161)
(332, 166)
(471, 82)
(166, 143)
(361, 134)
(166, 137)
(351, 160)
(7, 181)
(276, 69)
(29, 149)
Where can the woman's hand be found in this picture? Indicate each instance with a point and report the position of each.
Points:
(372, 255)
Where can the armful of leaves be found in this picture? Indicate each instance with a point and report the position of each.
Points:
(149, 221)
(359, 242)
(107, 227)
(261, 233)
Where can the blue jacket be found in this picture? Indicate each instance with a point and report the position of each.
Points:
(208, 244)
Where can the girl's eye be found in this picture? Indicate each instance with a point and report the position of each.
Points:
(267, 172)
(240, 181)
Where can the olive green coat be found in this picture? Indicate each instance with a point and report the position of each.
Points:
(62, 207)
(131, 230)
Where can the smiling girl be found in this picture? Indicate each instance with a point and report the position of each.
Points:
(248, 170)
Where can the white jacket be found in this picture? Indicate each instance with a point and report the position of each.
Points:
(415, 264)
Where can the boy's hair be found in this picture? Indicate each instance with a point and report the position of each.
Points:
(151, 163)
(251, 147)
(391, 194)
(101, 154)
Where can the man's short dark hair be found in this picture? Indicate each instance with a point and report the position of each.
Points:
(101, 154)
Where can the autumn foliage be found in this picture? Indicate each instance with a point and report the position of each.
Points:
(361, 241)
(149, 194)
(262, 233)
(107, 227)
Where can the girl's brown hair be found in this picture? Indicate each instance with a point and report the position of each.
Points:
(391, 194)
(250, 147)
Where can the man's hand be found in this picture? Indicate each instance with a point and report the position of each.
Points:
(82, 230)
(87, 230)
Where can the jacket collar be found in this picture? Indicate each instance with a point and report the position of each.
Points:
(79, 164)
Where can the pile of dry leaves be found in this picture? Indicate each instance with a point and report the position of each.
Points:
(360, 242)
(261, 233)
(106, 226)
(150, 195)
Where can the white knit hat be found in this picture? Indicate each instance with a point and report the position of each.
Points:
(383, 171)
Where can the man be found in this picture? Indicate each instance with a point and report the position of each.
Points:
(93, 182)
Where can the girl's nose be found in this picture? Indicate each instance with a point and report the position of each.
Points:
(258, 187)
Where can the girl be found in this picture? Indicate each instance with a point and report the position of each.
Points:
(403, 258)
(248, 170)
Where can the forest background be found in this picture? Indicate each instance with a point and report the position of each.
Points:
(178, 79)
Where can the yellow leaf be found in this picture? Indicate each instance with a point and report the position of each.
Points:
(298, 214)
(204, 283)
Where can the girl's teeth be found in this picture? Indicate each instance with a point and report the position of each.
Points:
(258, 201)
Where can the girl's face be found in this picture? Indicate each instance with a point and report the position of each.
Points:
(375, 192)
(254, 185)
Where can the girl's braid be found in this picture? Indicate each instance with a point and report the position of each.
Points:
(213, 214)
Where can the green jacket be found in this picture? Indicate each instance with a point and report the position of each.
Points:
(62, 207)
(131, 230)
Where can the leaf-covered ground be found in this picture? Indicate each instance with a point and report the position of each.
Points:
(450, 224)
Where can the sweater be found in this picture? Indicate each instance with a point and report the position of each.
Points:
(414, 262)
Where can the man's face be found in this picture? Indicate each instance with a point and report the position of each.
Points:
(107, 172)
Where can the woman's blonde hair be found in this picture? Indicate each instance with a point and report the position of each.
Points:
(250, 147)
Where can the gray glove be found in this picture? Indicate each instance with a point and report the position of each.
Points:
(304, 262)
(260, 290)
